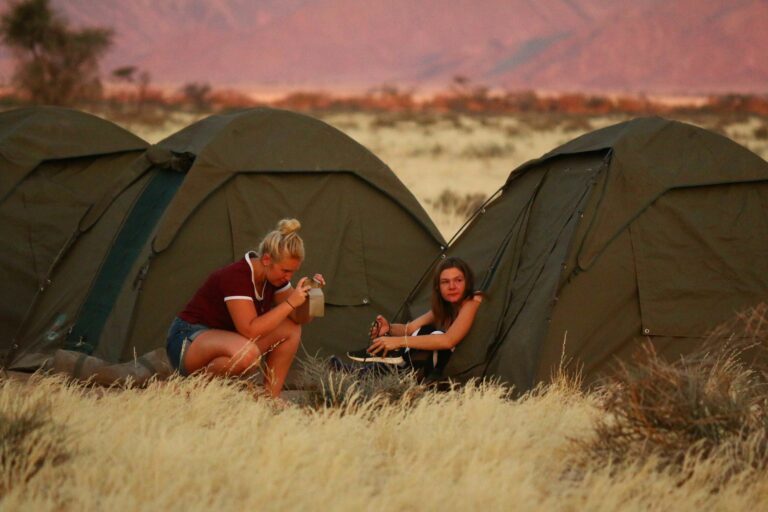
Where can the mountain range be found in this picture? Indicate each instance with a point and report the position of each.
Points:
(653, 46)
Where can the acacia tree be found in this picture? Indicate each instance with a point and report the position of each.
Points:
(139, 79)
(197, 94)
(55, 64)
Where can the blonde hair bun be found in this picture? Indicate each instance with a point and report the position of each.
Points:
(283, 241)
(288, 226)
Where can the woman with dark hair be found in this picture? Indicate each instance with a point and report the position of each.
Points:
(439, 330)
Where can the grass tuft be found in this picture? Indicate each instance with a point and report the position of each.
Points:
(29, 438)
(711, 404)
(354, 386)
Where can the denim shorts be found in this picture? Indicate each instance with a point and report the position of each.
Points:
(180, 335)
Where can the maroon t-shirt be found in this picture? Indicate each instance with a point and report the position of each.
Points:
(234, 282)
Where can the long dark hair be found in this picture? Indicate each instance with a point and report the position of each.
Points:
(443, 311)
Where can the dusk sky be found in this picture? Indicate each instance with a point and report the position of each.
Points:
(678, 47)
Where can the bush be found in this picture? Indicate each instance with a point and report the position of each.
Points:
(577, 124)
(708, 404)
(761, 132)
(434, 151)
(29, 439)
(489, 150)
(462, 205)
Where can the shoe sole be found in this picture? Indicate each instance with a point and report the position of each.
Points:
(378, 359)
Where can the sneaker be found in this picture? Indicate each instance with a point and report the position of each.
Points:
(363, 356)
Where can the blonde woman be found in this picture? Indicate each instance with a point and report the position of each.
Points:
(245, 310)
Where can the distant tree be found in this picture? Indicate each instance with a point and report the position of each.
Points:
(139, 79)
(55, 63)
(460, 85)
(125, 74)
(197, 94)
(465, 96)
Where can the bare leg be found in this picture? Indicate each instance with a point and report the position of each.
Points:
(221, 353)
(228, 353)
(287, 336)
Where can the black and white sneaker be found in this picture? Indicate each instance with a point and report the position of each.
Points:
(363, 356)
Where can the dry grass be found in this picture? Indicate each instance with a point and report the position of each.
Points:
(680, 415)
(350, 387)
(386, 443)
(692, 407)
(201, 445)
(29, 439)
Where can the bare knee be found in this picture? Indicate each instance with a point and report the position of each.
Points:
(289, 331)
(292, 334)
(245, 359)
(294, 330)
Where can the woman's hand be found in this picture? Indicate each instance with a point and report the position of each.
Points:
(380, 327)
(384, 344)
(299, 294)
(319, 278)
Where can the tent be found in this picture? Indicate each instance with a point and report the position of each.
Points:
(647, 230)
(203, 197)
(55, 163)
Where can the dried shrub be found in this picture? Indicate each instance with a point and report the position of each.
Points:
(761, 132)
(488, 121)
(426, 120)
(457, 122)
(543, 121)
(333, 384)
(384, 121)
(29, 439)
(577, 124)
(737, 104)
(456, 204)
(512, 131)
(435, 150)
(485, 151)
(712, 403)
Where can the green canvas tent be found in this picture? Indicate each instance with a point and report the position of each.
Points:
(55, 163)
(204, 196)
(647, 230)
